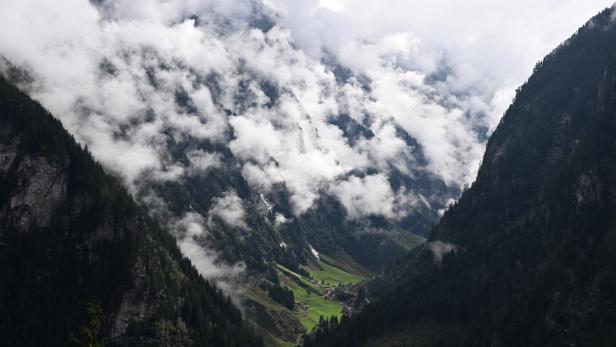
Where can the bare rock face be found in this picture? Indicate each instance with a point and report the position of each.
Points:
(8, 152)
(133, 308)
(40, 189)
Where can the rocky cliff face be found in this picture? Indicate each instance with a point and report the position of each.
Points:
(71, 239)
(40, 189)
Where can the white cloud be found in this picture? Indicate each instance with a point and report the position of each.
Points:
(437, 71)
(230, 208)
(203, 161)
(370, 195)
(280, 219)
(487, 47)
(191, 232)
(440, 249)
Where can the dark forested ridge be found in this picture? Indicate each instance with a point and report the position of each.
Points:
(80, 262)
(527, 255)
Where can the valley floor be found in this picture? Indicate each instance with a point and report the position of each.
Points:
(327, 292)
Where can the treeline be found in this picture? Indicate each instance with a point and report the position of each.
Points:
(282, 295)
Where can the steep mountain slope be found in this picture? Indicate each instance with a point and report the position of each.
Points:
(526, 256)
(79, 260)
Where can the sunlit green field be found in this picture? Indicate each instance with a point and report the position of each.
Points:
(309, 294)
(331, 274)
(311, 304)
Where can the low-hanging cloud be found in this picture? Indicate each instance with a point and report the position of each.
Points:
(440, 249)
(113, 72)
(191, 232)
(373, 196)
(270, 82)
(230, 209)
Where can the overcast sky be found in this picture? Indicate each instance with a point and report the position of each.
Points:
(441, 71)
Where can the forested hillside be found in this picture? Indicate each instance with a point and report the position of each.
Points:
(80, 262)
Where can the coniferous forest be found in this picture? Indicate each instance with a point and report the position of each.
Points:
(77, 253)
